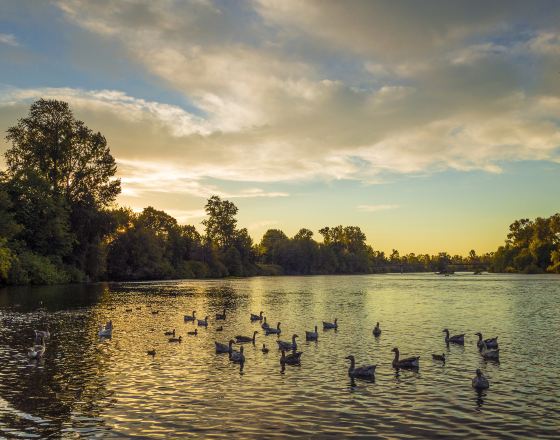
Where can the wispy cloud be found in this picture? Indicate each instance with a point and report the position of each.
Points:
(376, 208)
(9, 39)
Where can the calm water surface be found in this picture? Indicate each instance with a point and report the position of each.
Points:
(85, 387)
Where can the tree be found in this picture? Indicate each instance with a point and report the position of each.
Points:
(221, 222)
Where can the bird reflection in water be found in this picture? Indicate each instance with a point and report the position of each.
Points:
(480, 395)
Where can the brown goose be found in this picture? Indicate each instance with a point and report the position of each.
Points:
(169, 333)
(377, 330)
(224, 348)
(293, 358)
(264, 349)
(330, 325)
(221, 316)
(490, 342)
(439, 357)
(258, 317)
(179, 339)
(195, 333)
(410, 362)
(265, 324)
(479, 381)
(188, 318)
(273, 331)
(312, 336)
(490, 355)
(151, 353)
(457, 339)
(366, 372)
(283, 345)
(237, 356)
(203, 322)
(241, 339)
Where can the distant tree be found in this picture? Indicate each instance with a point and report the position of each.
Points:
(221, 222)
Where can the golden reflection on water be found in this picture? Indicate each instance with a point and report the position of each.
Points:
(89, 385)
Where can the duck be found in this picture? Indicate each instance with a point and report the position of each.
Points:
(490, 342)
(264, 349)
(377, 330)
(480, 382)
(366, 372)
(258, 317)
(188, 318)
(224, 348)
(193, 333)
(203, 322)
(439, 357)
(219, 329)
(283, 345)
(240, 339)
(169, 333)
(179, 339)
(330, 325)
(151, 353)
(105, 332)
(410, 362)
(293, 358)
(37, 351)
(221, 316)
(456, 339)
(265, 324)
(274, 331)
(312, 336)
(237, 356)
(490, 355)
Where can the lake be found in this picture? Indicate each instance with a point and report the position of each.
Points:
(87, 387)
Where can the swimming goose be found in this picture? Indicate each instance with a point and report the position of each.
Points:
(377, 330)
(366, 372)
(312, 336)
(490, 342)
(329, 325)
(203, 322)
(219, 329)
(224, 348)
(193, 333)
(490, 355)
(258, 317)
(179, 339)
(155, 312)
(169, 333)
(221, 316)
(37, 351)
(293, 358)
(264, 349)
(128, 310)
(240, 339)
(457, 339)
(265, 324)
(283, 345)
(479, 381)
(105, 332)
(439, 357)
(188, 318)
(151, 353)
(237, 356)
(273, 331)
(410, 362)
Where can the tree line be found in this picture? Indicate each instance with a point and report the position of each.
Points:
(59, 224)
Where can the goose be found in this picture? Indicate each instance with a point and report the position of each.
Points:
(193, 333)
(490, 343)
(151, 353)
(188, 318)
(128, 310)
(410, 362)
(42, 334)
(179, 339)
(293, 358)
(258, 317)
(224, 348)
(274, 331)
(169, 333)
(490, 355)
(330, 325)
(155, 312)
(139, 308)
(312, 336)
(264, 349)
(366, 372)
(457, 339)
(479, 381)
(283, 345)
(376, 330)
(37, 351)
(265, 324)
(221, 316)
(105, 332)
(237, 356)
(439, 357)
(203, 322)
(241, 339)
(219, 329)
(109, 324)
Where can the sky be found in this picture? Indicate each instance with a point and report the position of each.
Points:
(432, 125)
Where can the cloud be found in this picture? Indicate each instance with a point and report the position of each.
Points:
(376, 208)
(9, 39)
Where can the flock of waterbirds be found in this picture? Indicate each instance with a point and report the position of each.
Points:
(290, 355)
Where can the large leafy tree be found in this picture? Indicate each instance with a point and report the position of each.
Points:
(221, 222)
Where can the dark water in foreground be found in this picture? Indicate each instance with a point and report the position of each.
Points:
(85, 387)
